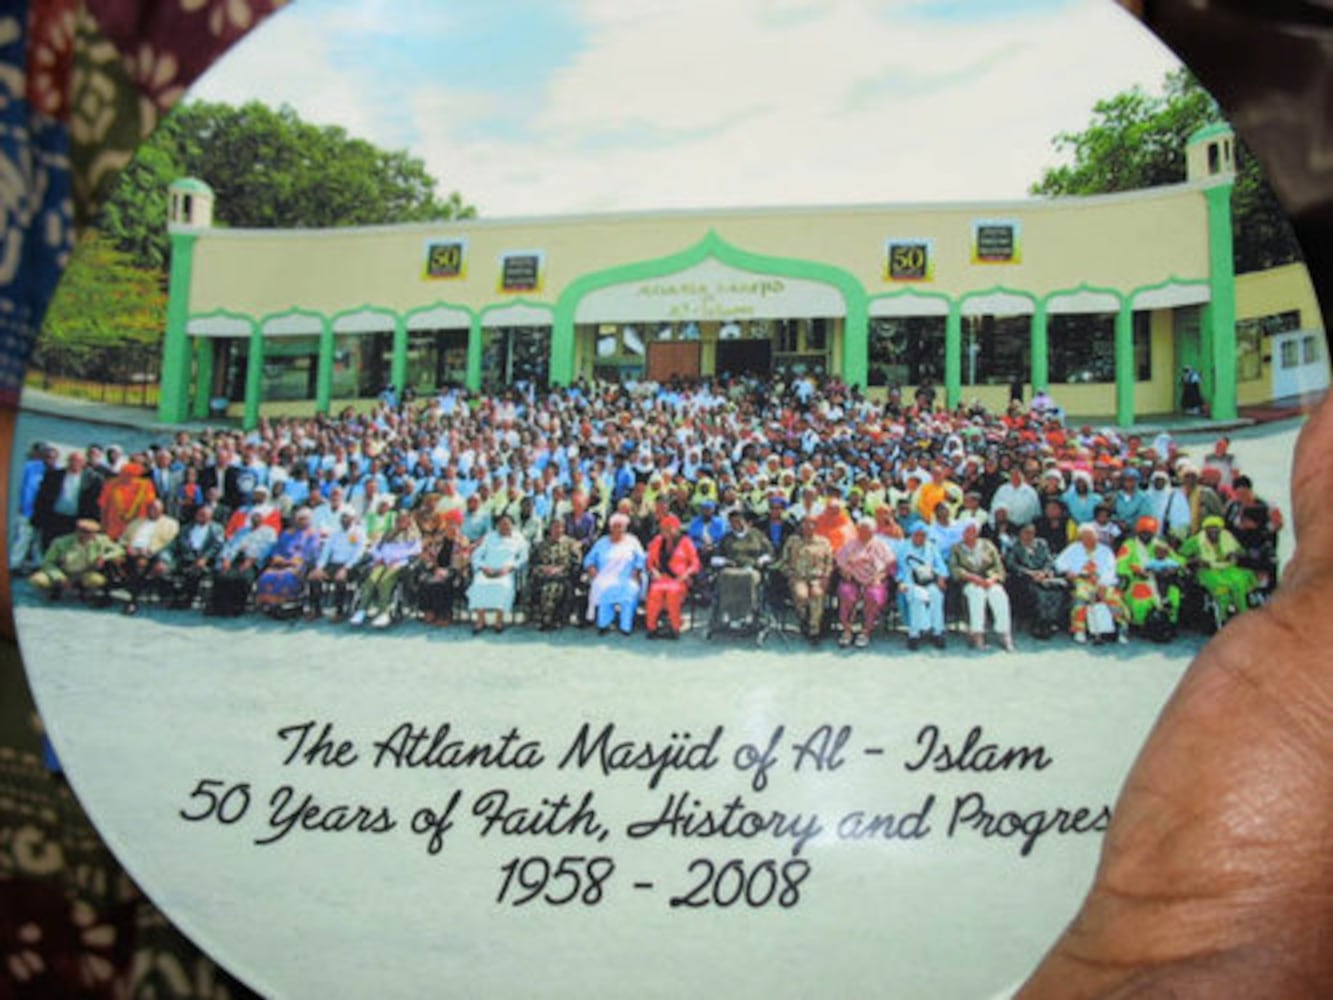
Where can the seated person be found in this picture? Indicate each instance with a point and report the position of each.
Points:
(336, 566)
(553, 569)
(616, 566)
(144, 540)
(807, 562)
(740, 559)
(923, 577)
(496, 563)
(444, 563)
(865, 564)
(672, 564)
(707, 530)
(1089, 566)
(239, 564)
(283, 581)
(80, 562)
(976, 564)
(1214, 555)
(185, 562)
(388, 559)
(1042, 591)
(1150, 572)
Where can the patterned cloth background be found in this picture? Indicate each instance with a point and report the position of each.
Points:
(82, 82)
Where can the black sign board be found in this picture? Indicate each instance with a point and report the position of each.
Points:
(520, 272)
(444, 260)
(995, 241)
(909, 261)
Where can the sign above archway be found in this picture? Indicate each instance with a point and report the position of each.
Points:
(710, 290)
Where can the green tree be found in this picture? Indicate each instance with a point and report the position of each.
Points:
(268, 168)
(1137, 140)
(106, 317)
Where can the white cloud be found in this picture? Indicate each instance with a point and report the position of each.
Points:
(695, 103)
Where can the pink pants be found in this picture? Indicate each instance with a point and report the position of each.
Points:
(874, 598)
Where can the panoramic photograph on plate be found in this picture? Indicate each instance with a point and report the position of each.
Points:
(596, 494)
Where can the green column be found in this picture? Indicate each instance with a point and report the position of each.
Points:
(474, 345)
(203, 377)
(856, 341)
(953, 356)
(1040, 370)
(324, 373)
(254, 378)
(1124, 364)
(562, 344)
(1221, 317)
(1206, 381)
(173, 399)
(398, 368)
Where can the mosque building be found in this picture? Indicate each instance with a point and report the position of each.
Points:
(1102, 301)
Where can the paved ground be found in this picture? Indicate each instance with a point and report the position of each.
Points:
(142, 709)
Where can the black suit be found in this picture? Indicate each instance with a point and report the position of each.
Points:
(49, 523)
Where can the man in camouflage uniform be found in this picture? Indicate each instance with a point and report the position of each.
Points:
(81, 561)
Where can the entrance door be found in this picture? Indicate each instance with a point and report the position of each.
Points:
(1299, 364)
(669, 359)
(744, 357)
(1188, 352)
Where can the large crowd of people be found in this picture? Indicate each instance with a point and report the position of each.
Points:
(627, 506)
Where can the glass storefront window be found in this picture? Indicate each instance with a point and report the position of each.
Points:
(291, 365)
(996, 349)
(906, 350)
(1081, 347)
(347, 354)
(436, 358)
(515, 354)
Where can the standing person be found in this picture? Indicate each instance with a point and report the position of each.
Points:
(616, 565)
(1191, 391)
(865, 564)
(496, 564)
(1017, 497)
(24, 541)
(976, 563)
(807, 561)
(64, 496)
(672, 563)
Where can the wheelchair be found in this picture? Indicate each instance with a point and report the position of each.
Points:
(760, 620)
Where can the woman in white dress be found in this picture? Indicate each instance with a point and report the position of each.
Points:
(496, 564)
(616, 565)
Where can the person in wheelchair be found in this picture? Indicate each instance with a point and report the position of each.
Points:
(183, 565)
(281, 586)
(807, 563)
(239, 564)
(553, 571)
(741, 558)
(442, 568)
(672, 564)
(1151, 573)
(865, 564)
(616, 565)
(337, 566)
(388, 560)
(1214, 556)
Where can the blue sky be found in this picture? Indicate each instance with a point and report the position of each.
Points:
(548, 106)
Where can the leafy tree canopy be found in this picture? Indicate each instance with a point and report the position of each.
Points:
(1137, 140)
(268, 168)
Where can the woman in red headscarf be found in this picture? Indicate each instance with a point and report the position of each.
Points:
(673, 562)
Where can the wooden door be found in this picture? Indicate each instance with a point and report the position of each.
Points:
(670, 358)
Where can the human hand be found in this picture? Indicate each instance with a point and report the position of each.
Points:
(1216, 874)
